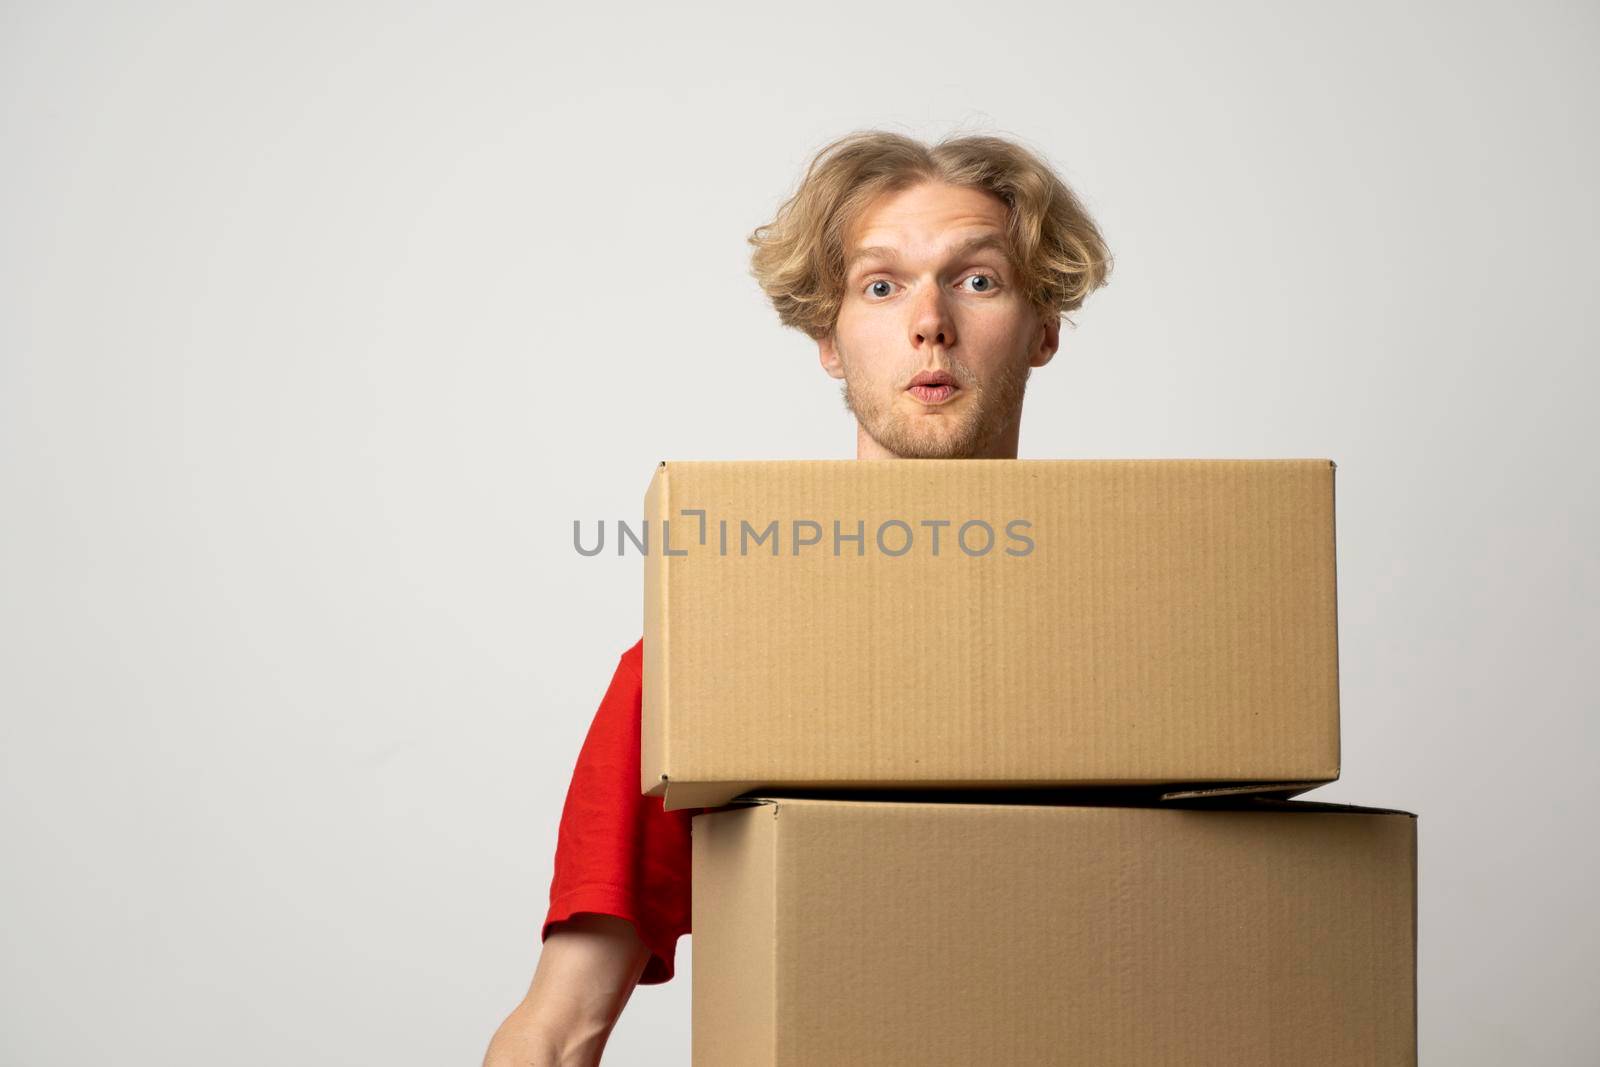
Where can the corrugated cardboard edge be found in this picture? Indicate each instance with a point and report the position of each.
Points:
(1338, 710)
(1260, 803)
(653, 721)
(1415, 933)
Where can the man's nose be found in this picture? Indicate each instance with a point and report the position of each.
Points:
(930, 320)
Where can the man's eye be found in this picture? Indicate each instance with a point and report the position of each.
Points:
(989, 282)
(872, 287)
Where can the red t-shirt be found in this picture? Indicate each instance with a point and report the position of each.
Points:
(617, 852)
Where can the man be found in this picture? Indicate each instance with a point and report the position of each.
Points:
(933, 280)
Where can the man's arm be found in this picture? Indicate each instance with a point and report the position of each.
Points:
(587, 970)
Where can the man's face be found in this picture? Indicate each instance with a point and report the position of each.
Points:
(930, 296)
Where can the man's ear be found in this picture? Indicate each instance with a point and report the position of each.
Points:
(828, 356)
(1048, 339)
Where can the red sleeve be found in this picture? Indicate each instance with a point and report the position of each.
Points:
(617, 852)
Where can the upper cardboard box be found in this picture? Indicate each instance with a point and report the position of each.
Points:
(983, 623)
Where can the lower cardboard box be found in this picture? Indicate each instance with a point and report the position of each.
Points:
(885, 932)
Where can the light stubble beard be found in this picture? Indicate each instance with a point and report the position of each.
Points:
(988, 412)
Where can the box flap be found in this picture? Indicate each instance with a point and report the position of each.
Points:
(678, 795)
(1279, 789)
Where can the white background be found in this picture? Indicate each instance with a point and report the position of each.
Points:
(321, 323)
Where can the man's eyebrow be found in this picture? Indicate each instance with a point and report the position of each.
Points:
(979, 242)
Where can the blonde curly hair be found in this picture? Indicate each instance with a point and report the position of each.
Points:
(799, 258)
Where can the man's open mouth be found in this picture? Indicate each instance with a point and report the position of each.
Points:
(933, 387)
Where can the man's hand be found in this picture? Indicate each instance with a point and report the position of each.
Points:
(587, 969)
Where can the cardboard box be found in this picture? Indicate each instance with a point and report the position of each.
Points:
(1076, 622)
(871, 932)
